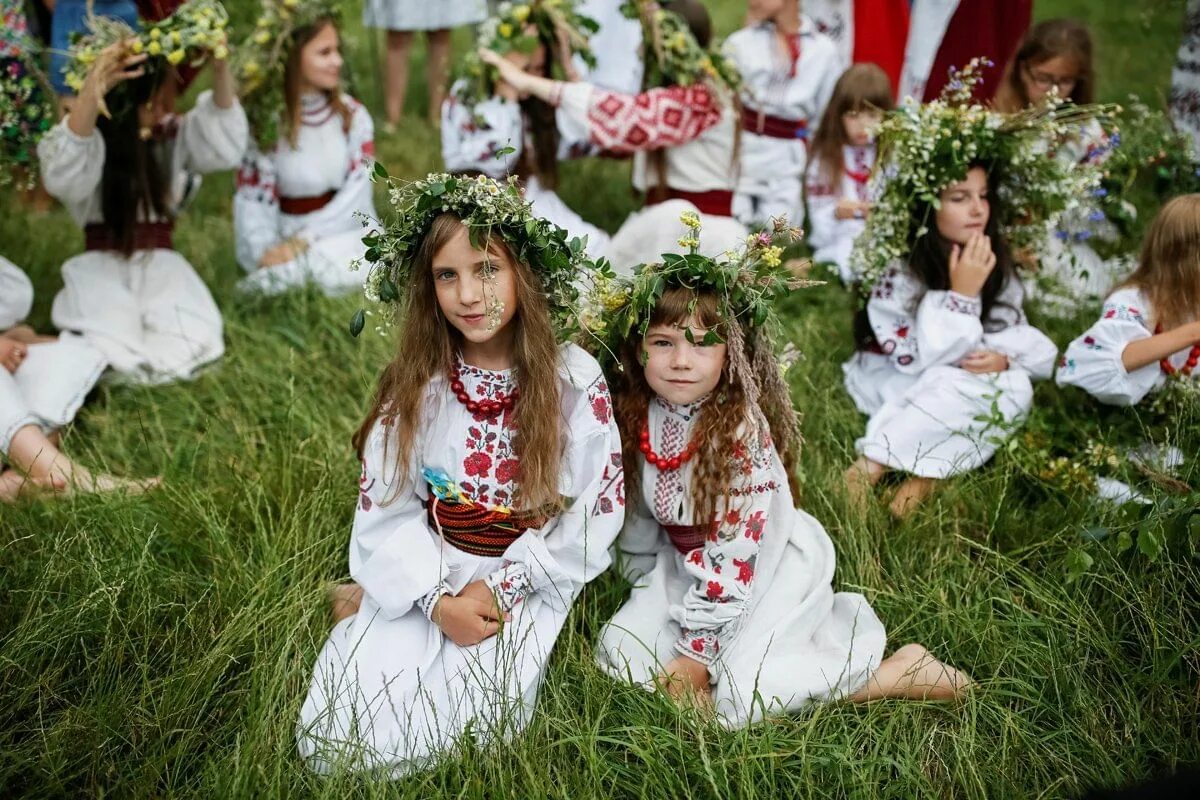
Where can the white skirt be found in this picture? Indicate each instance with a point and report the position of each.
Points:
(326, 265)
(49, 386)
(645, 235)
(422, 15)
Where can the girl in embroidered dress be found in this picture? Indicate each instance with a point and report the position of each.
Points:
(732, 606)
(946, 357)
(131, 295)
(302, 198)
(1149, 328)
(491, 491)
(788, 70)
(839, 198)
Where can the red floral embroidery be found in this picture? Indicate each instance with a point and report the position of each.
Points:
(478, 464)
(696, 557)
(732, 517)
(902, 331)
(506, 470)
(715, 590)
(364, 500)
(745, 570)
(698, 645)
(755, 525)
(601, 405)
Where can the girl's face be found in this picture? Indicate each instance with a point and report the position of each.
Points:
(857, 126)
(765, 9)
(476, 289)
(1038, 79)
(677, 370)
(321, 61)
(964, 208)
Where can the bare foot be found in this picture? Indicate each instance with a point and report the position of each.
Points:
(345, 599)
(14, 485)
(861, 478)
(911, 494)
(913, 673)
(27, 335)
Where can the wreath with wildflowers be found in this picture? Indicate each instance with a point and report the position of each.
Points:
(196, 29)
(673, 56)
(490, 209)
(508, 32)
(262, 59)
(27, 112)
(925, 148)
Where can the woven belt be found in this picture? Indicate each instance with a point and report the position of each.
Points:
(718, 202)
(775, 127)
(687, 538)
(146, 236)
(478, 530)
(297, 206)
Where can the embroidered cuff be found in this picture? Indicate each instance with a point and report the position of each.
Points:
(703, 646)
(430, 600)
(963, 304)
(511, 583)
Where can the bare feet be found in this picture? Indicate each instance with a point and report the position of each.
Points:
(861, 477)
(345, 599)
(14, 485)
(913, 673)
(911, 494)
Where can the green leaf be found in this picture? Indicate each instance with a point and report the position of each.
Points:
(358, 322)
(1150, 543)
(1078, 562)
(505, 151)
(1098, 534)
(687, 334)
(1194, 530)
(711, 337)
(388, 292)
(437, 189)
(381, 171)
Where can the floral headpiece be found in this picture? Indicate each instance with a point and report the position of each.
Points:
(672, 54)
(925, 148)
(262, 59)
(196, 28)
(489, 209)
(27, 112)
(506, 32)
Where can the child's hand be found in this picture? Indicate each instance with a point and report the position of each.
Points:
(283, 252)
(851, 209)
(115, 65)
(685, 678)
(983, 362)
(971, 264)
(12, 353)
(511, 73)
(466, 620)
(480, 591)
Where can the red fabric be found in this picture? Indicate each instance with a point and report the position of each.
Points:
(717, 202)
(687, 538)
(305, 205)
(652, 120)
(146, 236)
(775, 127)
(990, 28)
(478, 530)
(881, 34)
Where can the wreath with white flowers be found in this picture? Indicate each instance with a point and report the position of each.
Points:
(27, 112)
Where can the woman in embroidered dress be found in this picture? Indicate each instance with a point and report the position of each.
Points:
(946, 357)
(788, 70)
(43, 382)
(131, 295)
(491, 490)
(837, 186)
(681, 134)
(302, 198)
(733, 606)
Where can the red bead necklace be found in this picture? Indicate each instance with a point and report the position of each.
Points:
(1192, 360)
(489, 406)
(663, 462)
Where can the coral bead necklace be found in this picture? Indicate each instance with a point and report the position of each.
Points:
(665, 462)
(487, 406)
(1192, 360)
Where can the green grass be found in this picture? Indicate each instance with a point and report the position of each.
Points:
(161, 646)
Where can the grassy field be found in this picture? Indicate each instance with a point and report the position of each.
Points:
(161, 646)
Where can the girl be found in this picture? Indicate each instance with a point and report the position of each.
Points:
(1149, 329)
(836, 188)
(681, 131)
(733, 607)
(302, 198)
(131, 295)
(490, 493)
(788, 71)
(43, 382)
(400, 18)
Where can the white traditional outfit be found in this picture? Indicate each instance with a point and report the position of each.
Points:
(390, 691)
(1184, 99)
(749, 595)
(784, 94)
(695, 135)
(317, 192)
(150, 314)
(928, 416)
(414, 15)
(831, 238)
(51, 383)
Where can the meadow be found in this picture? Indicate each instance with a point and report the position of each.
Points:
(160, 646)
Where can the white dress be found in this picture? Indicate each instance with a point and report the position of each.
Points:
(696, 136)
(150, 315)
(1185, 78)
(831, 238)
(771, 169)
(422, 15)
(749, 597)
(55, 377)
(389, 691)
(327, 160)
(928, 416)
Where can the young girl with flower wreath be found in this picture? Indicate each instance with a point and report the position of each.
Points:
(732, 606)
(837, 186)
(491, 487)
(788, 70)
(116, 162)
(304, 188)
(681, 131)
(946, 356)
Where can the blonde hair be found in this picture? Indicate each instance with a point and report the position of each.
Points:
(1168, 272)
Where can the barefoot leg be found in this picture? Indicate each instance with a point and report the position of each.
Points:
(862, 475)
(437, 70)
(395, 79)
(49, 470)
(912, 673)
(345, 599)
(911, 494)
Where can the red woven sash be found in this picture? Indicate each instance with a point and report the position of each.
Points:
(687, 538)
(775, 127)
(298, 206)
(476, 529)
(146, 236)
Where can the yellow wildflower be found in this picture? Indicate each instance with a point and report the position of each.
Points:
(155, 33)
(154, 48)
(137, 47)
(690, 219)
(175, 56)
(521, 13)
(262, 37)
(505, 30)
(221, 52)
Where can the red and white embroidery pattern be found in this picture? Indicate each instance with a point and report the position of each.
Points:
(490, 467)
(652, 120)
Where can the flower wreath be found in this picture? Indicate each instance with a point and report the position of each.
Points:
(27, 112)
(925, 148)
(195, 29)
(673, 56)
(262, 59)
(505, 32)
(489, 209)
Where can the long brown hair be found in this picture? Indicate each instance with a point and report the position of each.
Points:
(427, 347)
(863, 87)
(1053, 38)
(721, 426)
(292, 78)
(1169, 269)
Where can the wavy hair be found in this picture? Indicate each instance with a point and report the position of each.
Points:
(1168, 271)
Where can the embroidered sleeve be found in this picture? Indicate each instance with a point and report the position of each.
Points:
(1026, 347)
(918, 329)
(429, 600)
(511, 583)
(255, 209)
(1093, 361)
(655, 119)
